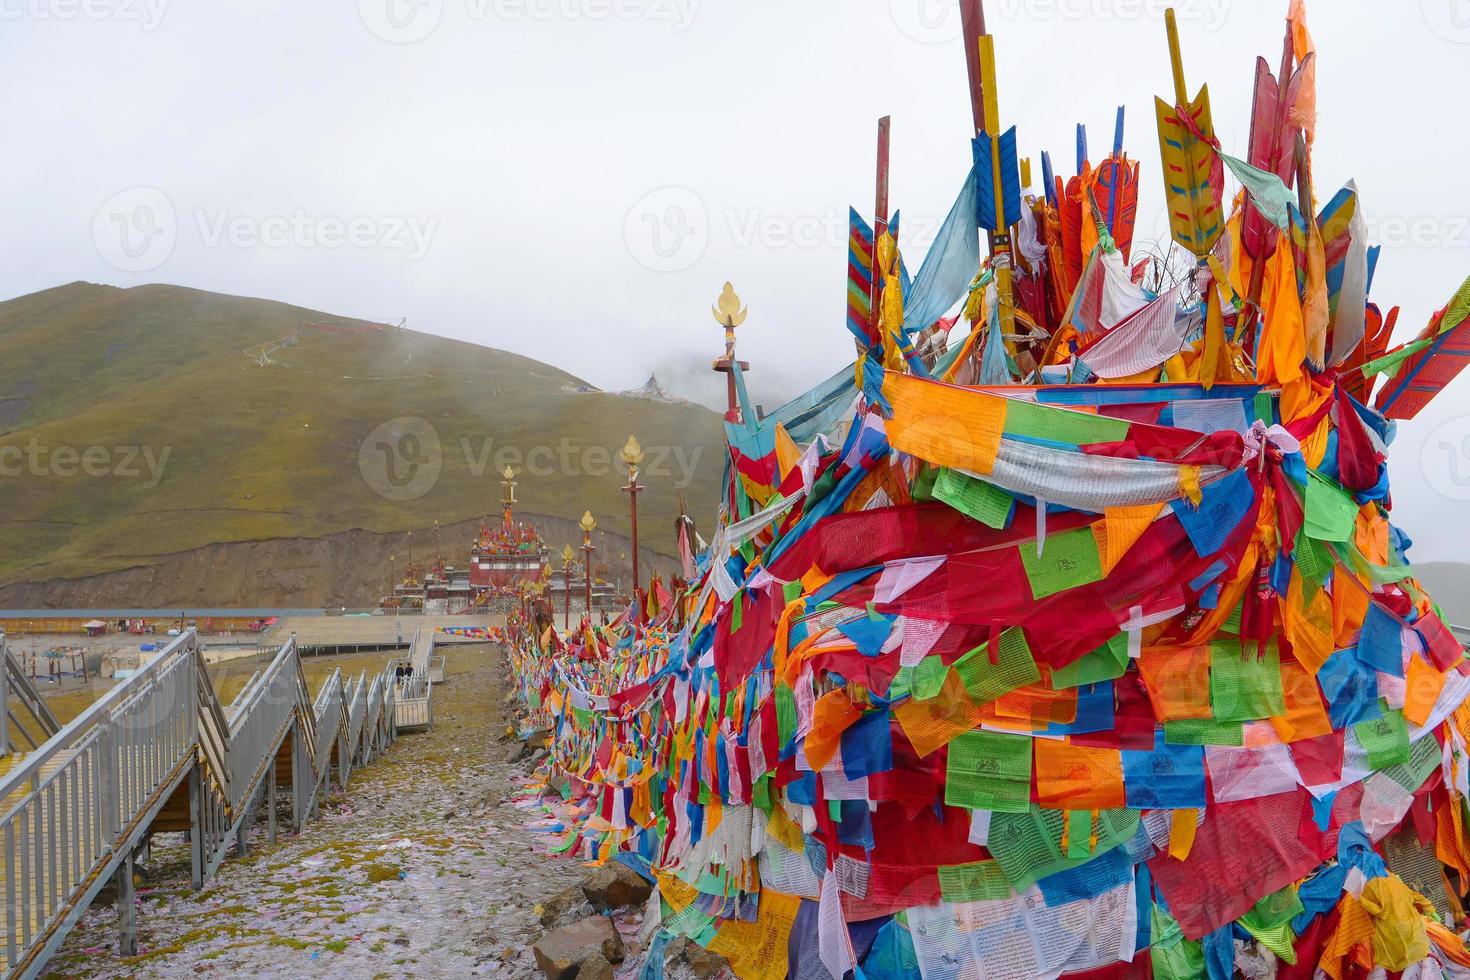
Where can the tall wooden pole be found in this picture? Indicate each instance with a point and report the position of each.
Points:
(632, 455)
(972, 17)
(880, 223)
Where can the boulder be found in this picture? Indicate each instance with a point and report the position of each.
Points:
(562, 951)
(595, 967)
(616, 886)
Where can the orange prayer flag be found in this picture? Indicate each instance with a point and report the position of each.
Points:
(944, 424)
(1032, 708)
(932, 724)
(1349, 606)
(833, 713)
(1120, 529)
(1283, 345)
(1303, 112)
(1075, 777)
(1177, 680)
(1306, 716)
(1371, 534)
(1422, 684)
(1308, 623)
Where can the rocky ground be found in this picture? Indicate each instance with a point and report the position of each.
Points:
(433, 863)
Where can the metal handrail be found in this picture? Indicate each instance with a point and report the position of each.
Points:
(83, 801)
(71, 734)
(81, 798)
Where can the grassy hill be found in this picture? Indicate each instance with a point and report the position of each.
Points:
(185, 418)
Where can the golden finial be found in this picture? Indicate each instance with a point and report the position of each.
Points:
(588, 522)
(728, 310)
(566, 554)
(632, 453)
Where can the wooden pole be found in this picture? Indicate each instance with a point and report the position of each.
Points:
(880, 221)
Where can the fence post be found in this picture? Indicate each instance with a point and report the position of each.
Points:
(127, 909)
(196, 828)
(270, 801)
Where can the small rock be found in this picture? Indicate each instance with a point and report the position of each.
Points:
(537, 756)
(595, 967)
(567, 905)
(561, 952)
(616, 886)
(701, 962)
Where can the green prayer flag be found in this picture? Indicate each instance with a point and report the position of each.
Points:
(1068, 560)
(1265, 190)
(1174, 957)
(1385, 738)
(980, 881)
(1264, 407)
(786, 716)
(989, 771)
(929, 678)
(1108, 662)
(1014, 667)
(1391, 361)
(1203, 731)
(1028, 845)
(1064, 425)
(984, 502)
(1331, 510)
(1244, 686)
(924, 483)
(1079, 833)
(1424, 761)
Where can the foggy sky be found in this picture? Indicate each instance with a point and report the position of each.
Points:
(575, 179)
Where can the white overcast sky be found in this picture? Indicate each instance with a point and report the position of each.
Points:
(575, 179)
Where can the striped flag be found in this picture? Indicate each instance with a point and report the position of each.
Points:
(860, 280)
(1193, 175)
(1440, 354)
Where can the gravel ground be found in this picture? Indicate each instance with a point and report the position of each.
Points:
(425, 867)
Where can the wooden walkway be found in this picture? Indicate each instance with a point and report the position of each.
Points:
(159, 753)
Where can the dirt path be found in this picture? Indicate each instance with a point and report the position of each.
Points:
(420, 869)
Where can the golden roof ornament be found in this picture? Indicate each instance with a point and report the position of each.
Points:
(729, 313)
(632, 453)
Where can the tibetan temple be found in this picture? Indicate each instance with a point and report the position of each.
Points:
(502, 559)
